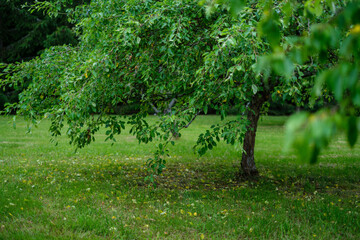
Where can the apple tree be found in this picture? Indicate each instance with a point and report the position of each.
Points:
(191, 57)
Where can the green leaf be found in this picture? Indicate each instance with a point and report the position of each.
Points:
(269, 27)
(294, 123)
(205, 109)
(287, 9)
(314, 7)
(314, 154)
(236, 6)
(240, 68)
(352, 131)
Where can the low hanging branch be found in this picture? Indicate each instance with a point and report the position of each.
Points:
(194, 117)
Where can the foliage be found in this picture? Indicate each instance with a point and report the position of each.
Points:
(335, 41)
(320, 38)
(211, 56)
(24, 34)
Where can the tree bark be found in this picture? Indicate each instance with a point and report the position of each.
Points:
(248, 167)
(167, 111)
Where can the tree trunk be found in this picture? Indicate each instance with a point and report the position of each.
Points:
(248, 166)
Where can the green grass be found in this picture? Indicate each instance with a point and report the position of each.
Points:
(50, 192)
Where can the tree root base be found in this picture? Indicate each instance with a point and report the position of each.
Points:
(249, 175)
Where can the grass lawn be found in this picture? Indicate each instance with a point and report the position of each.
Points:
(50, 192)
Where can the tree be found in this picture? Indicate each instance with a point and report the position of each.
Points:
(24, 34)
(214, 55)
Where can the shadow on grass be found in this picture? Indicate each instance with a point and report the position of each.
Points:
(286, 178)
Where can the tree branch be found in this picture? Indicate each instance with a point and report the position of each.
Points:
(155, 109)
(187, 125)
(168, 110)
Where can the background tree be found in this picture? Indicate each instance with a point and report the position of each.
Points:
(24, 34)
(154, 51)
